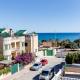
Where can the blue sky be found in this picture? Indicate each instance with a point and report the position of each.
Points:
(41, 15)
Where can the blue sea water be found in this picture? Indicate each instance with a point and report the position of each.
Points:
(59, 36)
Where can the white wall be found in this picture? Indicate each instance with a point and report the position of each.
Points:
(34, 43)
(8, 41)
(39, 55)
(22, 39)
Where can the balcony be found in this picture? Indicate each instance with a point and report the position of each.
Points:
(15, 49)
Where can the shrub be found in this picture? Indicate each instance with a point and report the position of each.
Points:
(75, 58)
(0, 73)
(78, 57)
(25, 58)
(72, 58)
(5, 70)
(69, 59)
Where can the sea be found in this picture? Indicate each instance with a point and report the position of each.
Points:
(59, 36)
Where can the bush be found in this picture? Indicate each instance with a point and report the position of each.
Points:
(75, 58)
(0, 73)
(25, 58)
(72, 58)
(69, 59)
(78, 58)
(5, 70)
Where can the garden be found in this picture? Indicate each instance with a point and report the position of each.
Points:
(16, 65)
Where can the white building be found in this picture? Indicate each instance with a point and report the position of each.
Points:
(10, 45)
(31, 43)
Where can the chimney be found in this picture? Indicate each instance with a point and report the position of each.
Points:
(11, 32)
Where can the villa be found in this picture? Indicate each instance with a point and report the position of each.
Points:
(13, 44)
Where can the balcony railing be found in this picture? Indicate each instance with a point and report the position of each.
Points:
(69, 78)
(14, 49)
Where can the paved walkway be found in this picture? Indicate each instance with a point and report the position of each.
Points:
(26, 74)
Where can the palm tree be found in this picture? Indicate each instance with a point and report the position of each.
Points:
(65, 42)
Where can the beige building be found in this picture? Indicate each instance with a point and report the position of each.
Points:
(31, 43)
(47, 44)
(11, 45)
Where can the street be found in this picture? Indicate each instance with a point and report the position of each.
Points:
(26, 74)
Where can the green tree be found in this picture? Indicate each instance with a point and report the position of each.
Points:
(44, 41)
(75, 58)
(72, 58)
(77, 42)
(69, 58)
(71, 45)
(78, 58)
(57, 43)
(65, 42)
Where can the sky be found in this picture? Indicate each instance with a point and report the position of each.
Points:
(41, 15)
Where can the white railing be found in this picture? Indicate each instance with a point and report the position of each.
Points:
(68, 78)
(15, 49)
(58, 75)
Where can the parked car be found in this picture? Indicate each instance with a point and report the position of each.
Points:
(44, 62)
(47, 74)
(58, 67)
(63, 64)
(36, 66)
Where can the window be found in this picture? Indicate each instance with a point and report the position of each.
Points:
(28, 36)
(45, 73)
(6, 47)
(26, 44)
(17, 44)
(23, 44)
(13, 45)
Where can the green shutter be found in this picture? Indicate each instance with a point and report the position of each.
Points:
(49, 52)
(14, 68)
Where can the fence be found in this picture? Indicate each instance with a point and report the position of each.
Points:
(58, 75)
(68, 78)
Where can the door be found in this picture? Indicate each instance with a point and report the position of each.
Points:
(13, 54)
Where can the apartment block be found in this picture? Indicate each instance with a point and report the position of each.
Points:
(10, 44)
(31, 43)
(13, 44)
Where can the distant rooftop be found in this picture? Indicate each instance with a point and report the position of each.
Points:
(5, 34)
(2, 29)
(20, 33)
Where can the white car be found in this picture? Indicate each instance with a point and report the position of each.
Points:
(36, 66)
(47, 74)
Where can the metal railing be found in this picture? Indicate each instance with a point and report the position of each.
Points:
(58, 75)
(69, 78)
